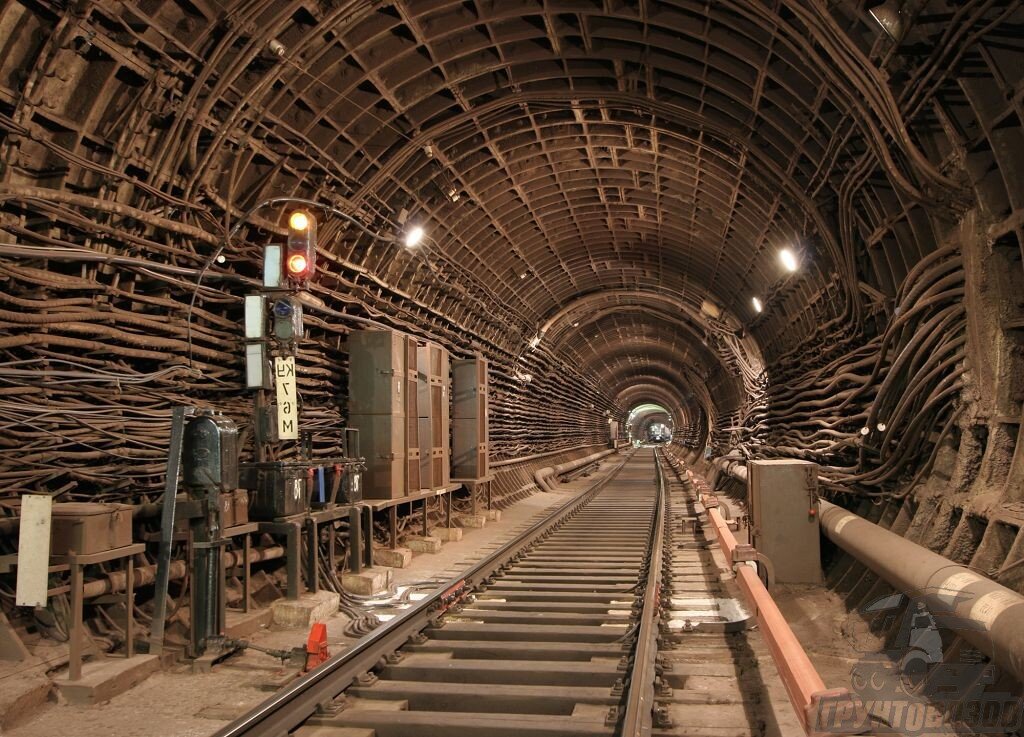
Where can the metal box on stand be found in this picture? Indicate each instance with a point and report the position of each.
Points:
(783, 503)
(382, 438)
(469, 448)
(336, 482)
(469, 419)
(383, 405)
(89, 527)
(276, 489)
(435, 423)
(377, 382)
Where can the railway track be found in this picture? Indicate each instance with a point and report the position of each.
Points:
(609, 617)
(717, 676)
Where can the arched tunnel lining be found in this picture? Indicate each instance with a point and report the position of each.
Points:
(625, 181)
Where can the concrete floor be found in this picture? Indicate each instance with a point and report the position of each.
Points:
(178, 703)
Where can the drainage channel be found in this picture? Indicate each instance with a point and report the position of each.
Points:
(542, 646)
(716, 674)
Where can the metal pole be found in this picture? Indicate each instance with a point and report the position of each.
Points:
(355, 540)
(156, 637)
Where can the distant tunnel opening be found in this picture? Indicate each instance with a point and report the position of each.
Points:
(650, 423)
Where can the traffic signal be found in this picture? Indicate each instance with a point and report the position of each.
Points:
(300, 257)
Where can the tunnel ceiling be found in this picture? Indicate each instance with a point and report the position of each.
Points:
(616, 177)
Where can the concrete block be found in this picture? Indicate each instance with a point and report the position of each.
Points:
(368, 583)
(449, 534)
(104, 679)
(493, 515)
(474, 521)
(397, 558)
(306, 610)
(421, 544)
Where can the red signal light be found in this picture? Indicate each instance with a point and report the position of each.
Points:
(300, 261)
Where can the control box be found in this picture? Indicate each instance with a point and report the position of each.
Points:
(783, 506)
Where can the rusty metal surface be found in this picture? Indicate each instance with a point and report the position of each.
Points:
(598, 171)
(615, 178)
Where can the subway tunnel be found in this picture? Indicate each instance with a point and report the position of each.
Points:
(675, 246)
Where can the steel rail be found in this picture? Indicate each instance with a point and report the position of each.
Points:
(292, 706)
(638, 717)
(821, 710)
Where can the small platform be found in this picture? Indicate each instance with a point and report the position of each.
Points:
(424, 544)
(397, 558)
(106, 678)
(301, 613)
(370, 582)
(448, 534)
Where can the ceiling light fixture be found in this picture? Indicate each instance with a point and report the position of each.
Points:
(535, 341)
(758, 307)
(789, 259)
(889, 15)
(414, 236)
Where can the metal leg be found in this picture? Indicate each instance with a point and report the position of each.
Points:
(368, 535)
(292, 537)
(425, 530)
(75, 655)
(129, 602)
(220, 613)
(355, 541)
(193, 602)
(332, 558)
(393, 527)
(246, 582)
(474, 497)
(313, 579)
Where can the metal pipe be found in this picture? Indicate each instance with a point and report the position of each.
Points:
(543, 476)
(115, 582)
(535, 456)
(984, 613)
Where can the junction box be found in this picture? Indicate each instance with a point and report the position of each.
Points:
(783, 505)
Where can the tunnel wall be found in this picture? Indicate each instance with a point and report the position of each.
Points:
(113, 307)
